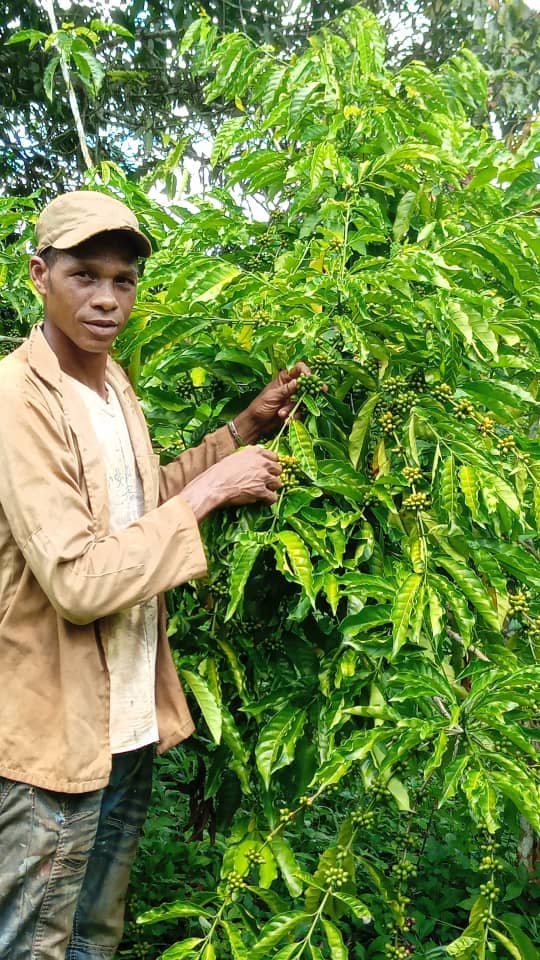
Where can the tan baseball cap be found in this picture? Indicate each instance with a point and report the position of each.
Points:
(74, 217)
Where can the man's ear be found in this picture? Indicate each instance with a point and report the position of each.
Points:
(39, 274)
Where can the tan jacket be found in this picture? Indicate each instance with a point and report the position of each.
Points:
(62, 572)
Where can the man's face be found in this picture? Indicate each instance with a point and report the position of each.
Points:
(88, 292)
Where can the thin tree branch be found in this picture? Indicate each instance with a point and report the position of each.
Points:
(49, 7)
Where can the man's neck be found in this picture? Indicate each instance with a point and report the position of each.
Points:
(87, 368)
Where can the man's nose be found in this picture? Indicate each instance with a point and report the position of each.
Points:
(104, 296)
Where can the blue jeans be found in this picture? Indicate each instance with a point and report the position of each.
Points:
(65, 861)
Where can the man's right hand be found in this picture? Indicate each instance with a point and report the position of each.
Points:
(249, 475)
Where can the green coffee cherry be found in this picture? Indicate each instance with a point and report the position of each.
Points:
(518, 602)
(417, 501)
(405, 870)
(254, 858)
(363, 818)
(485, 427)
(289, 475)
(393, 385)
(388, 421)
(442, 391)
(506, 444)
(336, 877)
(463, 409)
(234, 881)
(310, 384)
(412, 474)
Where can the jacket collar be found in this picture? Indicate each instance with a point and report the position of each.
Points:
(44, 362)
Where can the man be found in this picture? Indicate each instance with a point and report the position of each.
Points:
(92, 530)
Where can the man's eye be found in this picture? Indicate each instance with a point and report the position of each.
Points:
(83, 273)
(126, 281)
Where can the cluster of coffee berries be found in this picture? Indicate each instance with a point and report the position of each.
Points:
(142, 950)
(412, 474)
(485, 426)
(363, 818)
(405, 870)
(490, 863)
(250, 624)
(442, 391)
(404, 401)
(306, 800)
(417, 381)
(341, 854)
(489, 845)
(518, 602)
(533, 627)
(219, 587)
(410, 841)
(489, 890)
(184, 389)
(416, 501)
(394, 385)
(289, 475)
(394, 952)
(388, 421)
(254, 857)
(273, 643)
(336, 877)
(371, 366)
(368, 499)
(463, 409)
(322, 364)
(234, 881)
(309, 384)
(285, 815)
(506, 444)
(378, 790)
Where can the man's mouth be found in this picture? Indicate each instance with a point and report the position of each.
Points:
(102, 326)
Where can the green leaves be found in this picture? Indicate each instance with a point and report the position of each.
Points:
(244, 557)
(360, 429)
(402, 610)
(209, 707)
(172, 911)
(472, 588)
(338, 950)
(301, 445)
(365, 643)
(299, 561)
(404, 212)
(275, 931)
(275, 745)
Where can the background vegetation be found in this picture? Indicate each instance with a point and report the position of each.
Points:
(363, 660)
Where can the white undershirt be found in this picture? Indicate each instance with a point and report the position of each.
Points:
(131, 636)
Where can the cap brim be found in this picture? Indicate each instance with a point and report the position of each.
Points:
(73, 238)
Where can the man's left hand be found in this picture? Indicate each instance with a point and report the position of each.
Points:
(268, 411)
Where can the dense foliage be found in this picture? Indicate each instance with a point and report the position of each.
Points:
(363, 659)
(137, 95)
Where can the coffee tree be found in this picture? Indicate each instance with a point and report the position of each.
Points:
(363, 657)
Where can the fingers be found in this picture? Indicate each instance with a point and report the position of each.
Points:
(298, 369)
(285, 411)
(268, 455)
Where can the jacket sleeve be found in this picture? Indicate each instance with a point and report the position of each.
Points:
(84, 576)
(174, 477)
